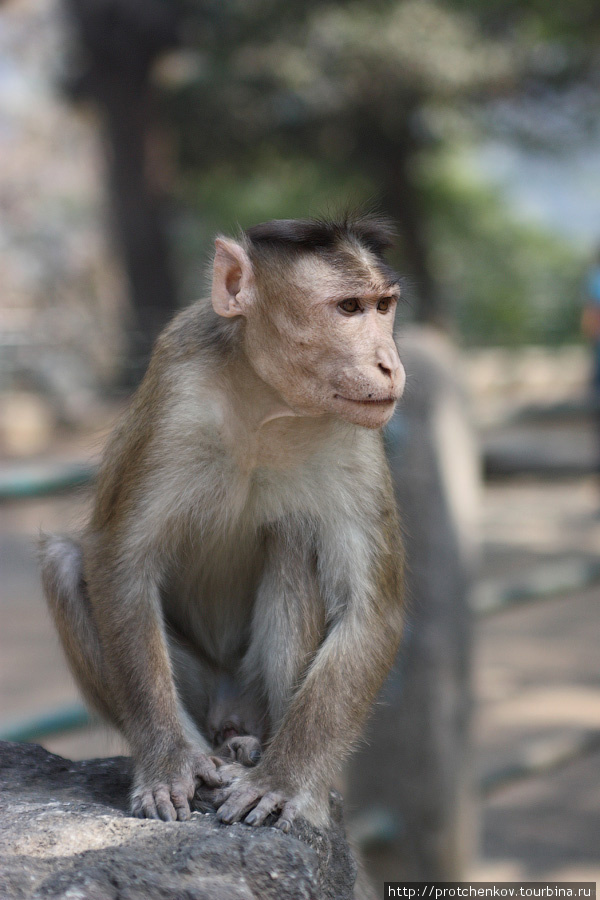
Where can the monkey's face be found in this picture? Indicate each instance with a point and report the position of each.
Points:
(324, 340)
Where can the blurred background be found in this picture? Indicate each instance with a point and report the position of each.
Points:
(133, 130)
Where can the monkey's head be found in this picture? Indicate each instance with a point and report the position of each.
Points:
(316, 302)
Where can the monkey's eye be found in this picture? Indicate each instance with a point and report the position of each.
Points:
(349, 306)
(385, 304)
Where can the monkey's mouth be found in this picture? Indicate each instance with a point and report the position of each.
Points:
(367, 401)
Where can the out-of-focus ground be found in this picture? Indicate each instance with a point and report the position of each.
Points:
(537, 673)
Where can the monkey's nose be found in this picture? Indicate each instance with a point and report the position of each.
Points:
(388, 363)
(393, 371)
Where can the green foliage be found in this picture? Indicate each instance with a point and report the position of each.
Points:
(225, 199)
(506, 282)
(299, 108)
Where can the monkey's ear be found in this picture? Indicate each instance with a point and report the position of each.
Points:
(232, 281)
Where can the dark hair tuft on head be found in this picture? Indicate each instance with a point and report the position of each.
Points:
(373, 232)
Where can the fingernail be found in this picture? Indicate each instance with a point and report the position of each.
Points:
(251, 818)
(255, 756)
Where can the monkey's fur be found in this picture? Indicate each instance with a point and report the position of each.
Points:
(238, 588)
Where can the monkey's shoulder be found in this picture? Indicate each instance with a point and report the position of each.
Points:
(196, 332)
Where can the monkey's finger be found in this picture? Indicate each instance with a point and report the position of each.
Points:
(288, 815)
(270, 803)
(210, 797)
(207, 771)
(229, 773)
(246, 750)
(240, 801)
(147, 807)
(220, 796)
(164, 807)
(226, 753)
(181, 806)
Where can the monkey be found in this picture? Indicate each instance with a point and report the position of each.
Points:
(235, 602)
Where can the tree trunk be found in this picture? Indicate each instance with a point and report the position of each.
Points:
(139, 216)
(387, 158)
(402, 201)
(121, 39)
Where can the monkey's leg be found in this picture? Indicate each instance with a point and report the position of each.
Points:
(288, 625)
(119, 656)
(66, 594)
(68, 602)
(334, 687)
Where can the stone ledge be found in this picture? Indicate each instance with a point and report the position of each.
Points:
(66, 833)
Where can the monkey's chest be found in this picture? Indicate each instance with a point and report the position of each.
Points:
(211, 595)
(213, 589)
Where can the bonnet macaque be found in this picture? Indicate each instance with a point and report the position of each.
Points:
(234, 604)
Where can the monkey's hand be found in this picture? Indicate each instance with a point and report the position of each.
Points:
(164, 787)
(252, 798)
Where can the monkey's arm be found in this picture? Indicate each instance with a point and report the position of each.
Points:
(170, 755)
(331, 697)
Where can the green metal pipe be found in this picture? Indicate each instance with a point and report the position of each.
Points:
(34, 728)
(20, 482)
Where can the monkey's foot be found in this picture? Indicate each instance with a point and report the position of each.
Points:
(166, 794)
(244, 749)
(253, 803)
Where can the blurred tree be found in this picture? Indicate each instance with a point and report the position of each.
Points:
(119, 40)
(506, 282)
(367, 89)
(346, 85)
(360, 91)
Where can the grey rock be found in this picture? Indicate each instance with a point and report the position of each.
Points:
(66, 833)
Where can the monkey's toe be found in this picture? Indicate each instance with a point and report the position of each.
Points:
(244, 749)
(161, 802)
(166, 795)
(240, 800)
(207, 770)
(256, 806)
(289, 813)
(270, 803)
